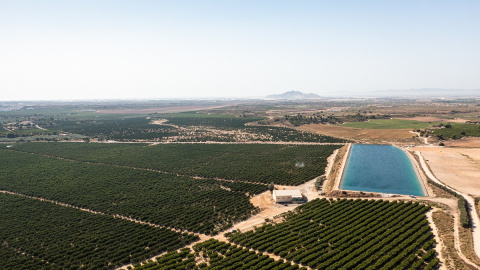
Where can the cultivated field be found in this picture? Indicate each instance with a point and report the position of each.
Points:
(281, 164)
(388, 124)
(348, 234)
(360, 134)
(42, 235)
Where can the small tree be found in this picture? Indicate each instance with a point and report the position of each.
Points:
(271, 186)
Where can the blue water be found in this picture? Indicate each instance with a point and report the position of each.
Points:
(380, 168)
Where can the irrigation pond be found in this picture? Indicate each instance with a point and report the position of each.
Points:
(380, 168)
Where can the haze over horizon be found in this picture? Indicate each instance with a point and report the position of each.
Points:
(64, 50)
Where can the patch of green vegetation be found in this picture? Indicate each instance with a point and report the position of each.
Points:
(389, 124)
(457, 131)
(43, 235)
(265, 163)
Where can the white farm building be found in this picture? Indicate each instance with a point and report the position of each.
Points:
(283, 196)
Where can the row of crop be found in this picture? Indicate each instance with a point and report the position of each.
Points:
(281, 164)
(465, 219)
(457, 131)
(12, 259)
(291, 135)
(213, 254)
(198, 205)
(195, 127)
(353, 234)
(36, 231)
(116, 129)
(209, 120)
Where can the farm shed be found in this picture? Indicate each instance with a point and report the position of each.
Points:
(292, 195)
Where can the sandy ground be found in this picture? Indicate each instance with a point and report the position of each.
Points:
(437, 239)
(433, 119)
(358, 133)
(456, 167)
(465, 142)
(338, 179)
(269, 209)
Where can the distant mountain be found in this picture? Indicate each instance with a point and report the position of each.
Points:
(294, 95)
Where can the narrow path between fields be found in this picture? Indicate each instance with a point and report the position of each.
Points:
(437, 238)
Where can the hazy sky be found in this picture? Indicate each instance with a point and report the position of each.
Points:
(162, 49)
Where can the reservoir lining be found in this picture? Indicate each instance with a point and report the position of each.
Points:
(382, 169)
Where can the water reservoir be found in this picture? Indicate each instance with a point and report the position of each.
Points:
(380, 168)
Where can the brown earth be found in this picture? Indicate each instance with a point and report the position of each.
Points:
(464, 142)
(456, 167)
(359, 134)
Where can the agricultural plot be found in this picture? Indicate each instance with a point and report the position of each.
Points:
(182, 127)
(220, 121)
(198, 205)
(281, 164)
(138, 128)
(216, 255)
(389, 124)
(349, 234)
(42, 235)
(457, 131)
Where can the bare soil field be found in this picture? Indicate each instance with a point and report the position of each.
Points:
(464, 142)
(357, 133)
(456, 167)
(433, 119)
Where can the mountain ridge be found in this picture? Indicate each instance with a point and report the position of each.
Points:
(294, 95)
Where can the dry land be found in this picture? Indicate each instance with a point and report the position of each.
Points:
(464, 142)
(360, 134)
(456, 167)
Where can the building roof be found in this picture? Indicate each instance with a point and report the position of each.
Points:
(288, 192)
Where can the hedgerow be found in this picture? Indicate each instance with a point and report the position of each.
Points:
(465, 219)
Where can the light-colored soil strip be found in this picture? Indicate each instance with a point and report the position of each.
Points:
(437, 237)
(416, 166)
(339, 179)
(454, 259)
